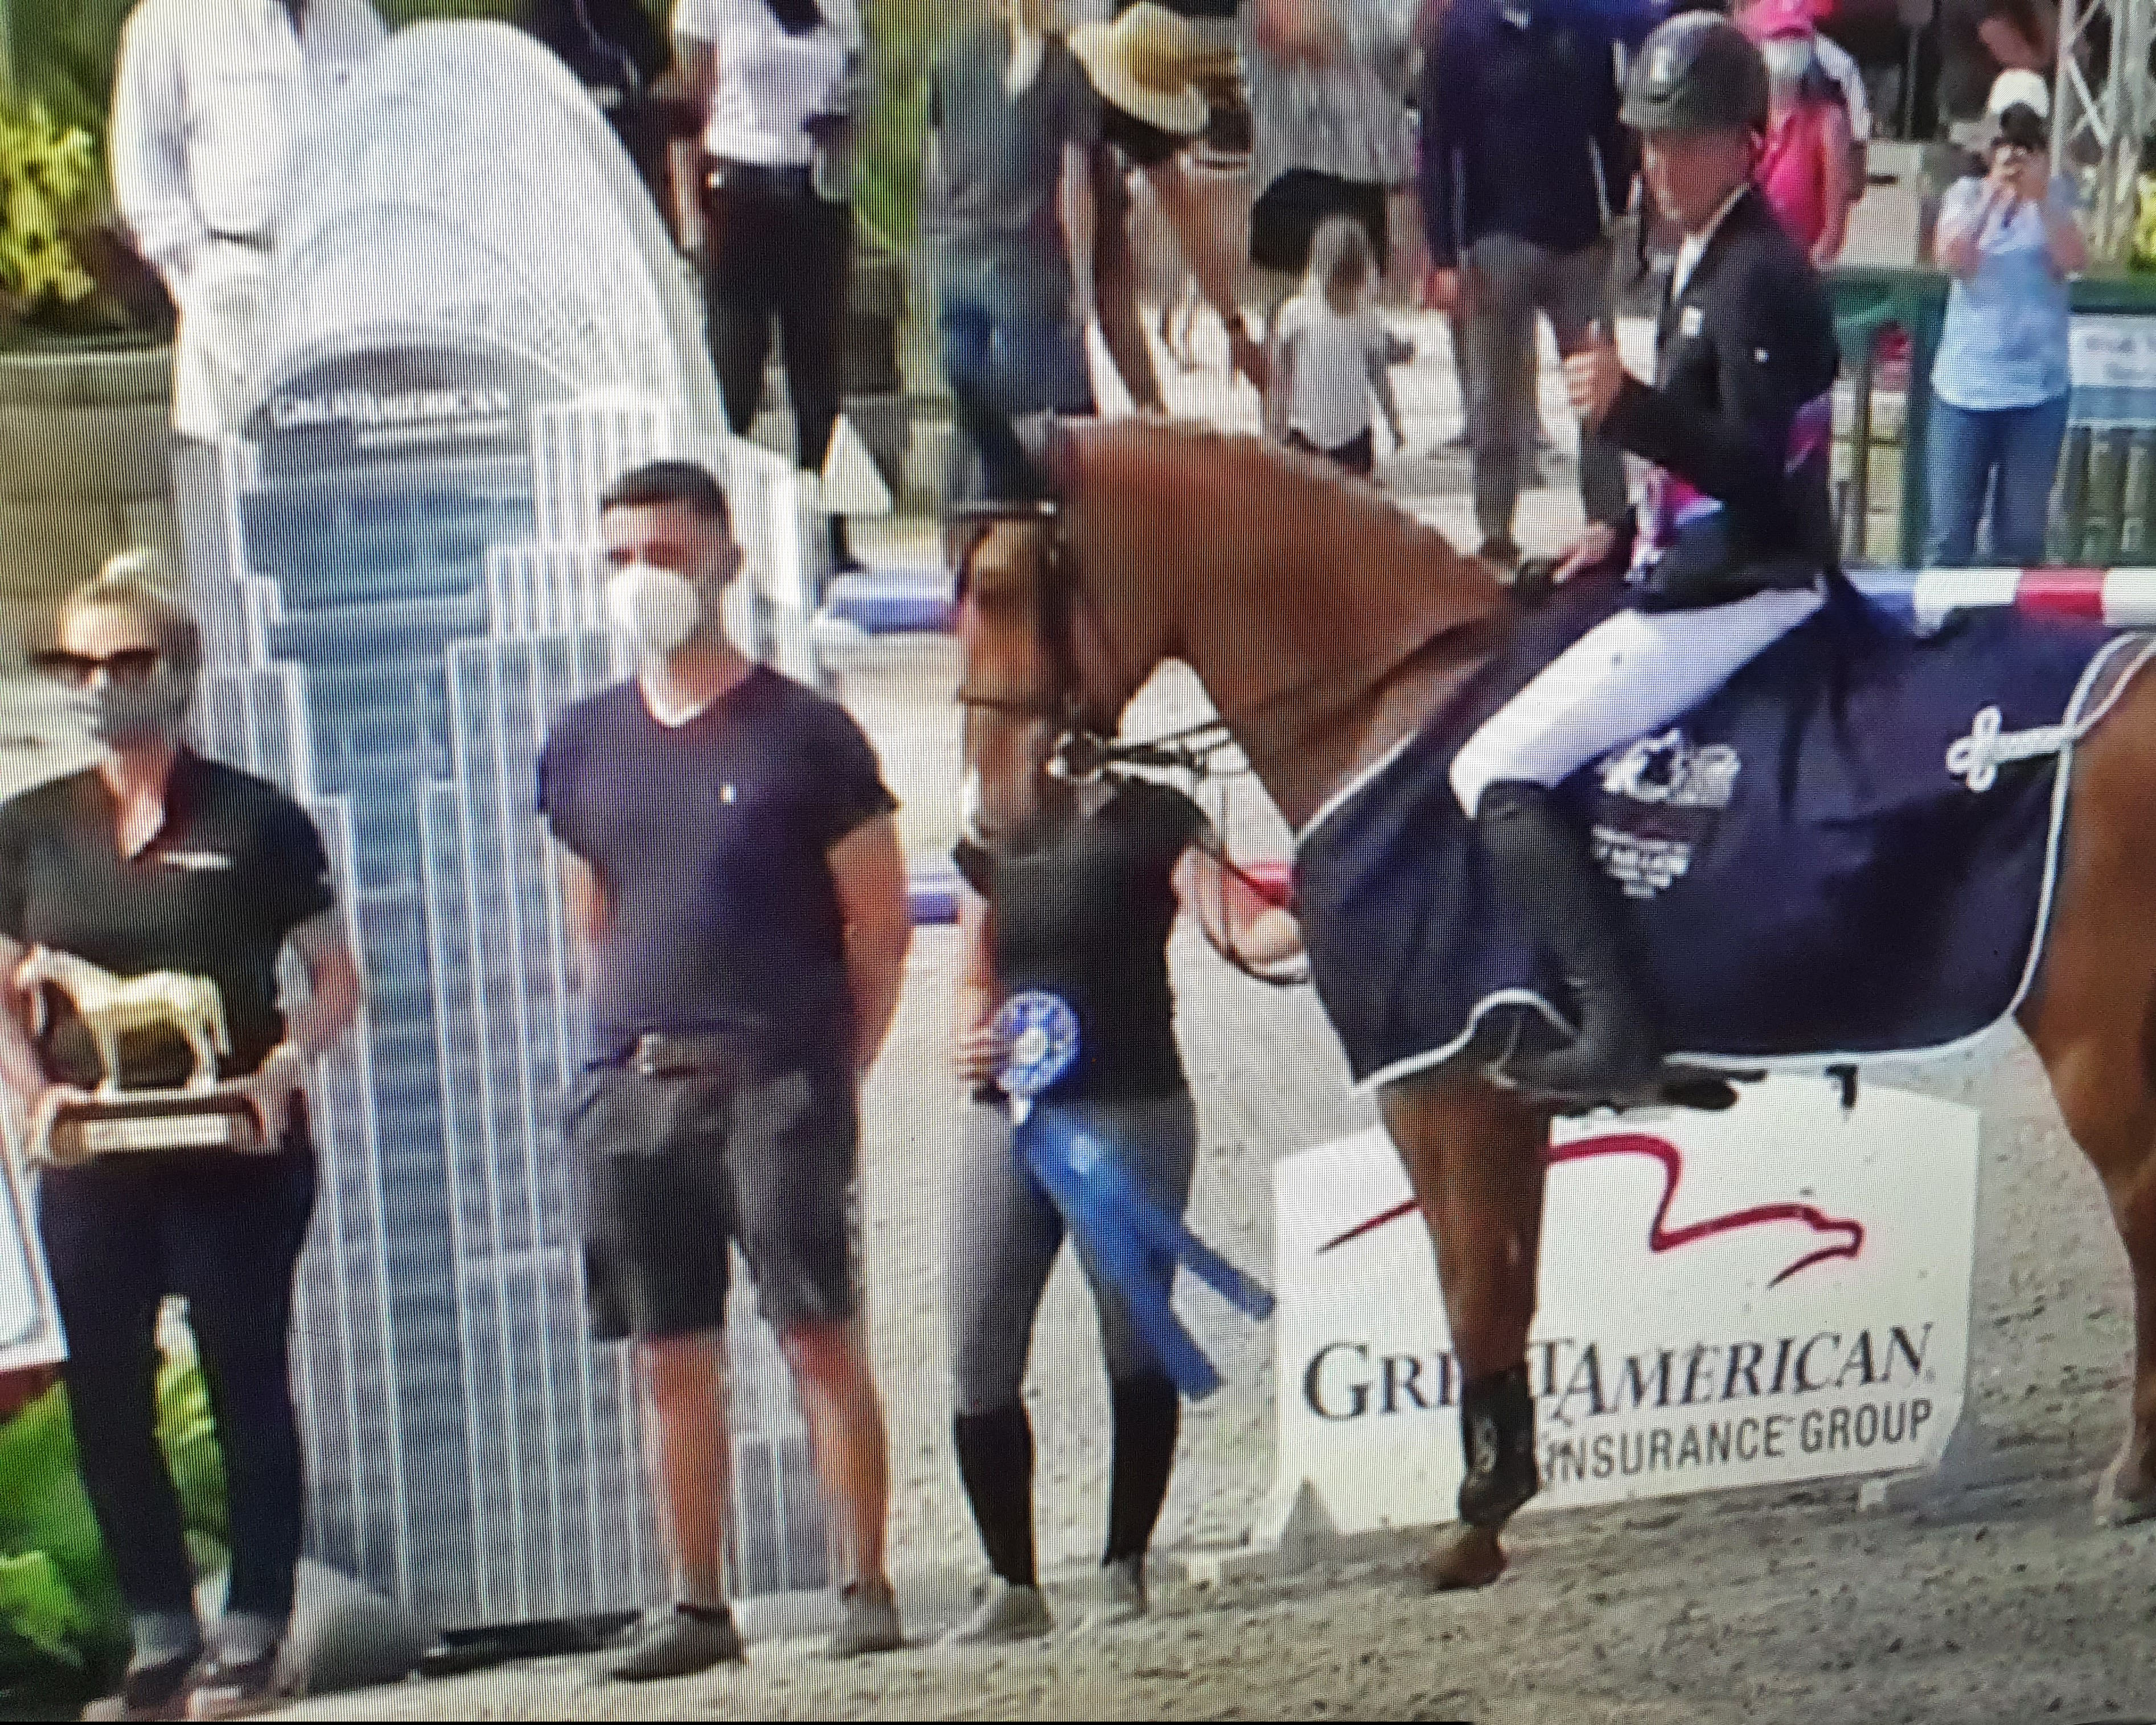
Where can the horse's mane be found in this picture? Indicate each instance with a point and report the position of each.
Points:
(1279, 487)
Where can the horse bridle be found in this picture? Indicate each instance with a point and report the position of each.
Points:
(1082, 752)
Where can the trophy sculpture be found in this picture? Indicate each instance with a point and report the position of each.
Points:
(201, 1114)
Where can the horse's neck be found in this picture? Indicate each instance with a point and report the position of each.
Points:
(1323, 641)
(75, 974)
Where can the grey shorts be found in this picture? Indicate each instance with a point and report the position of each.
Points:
(671, 1167)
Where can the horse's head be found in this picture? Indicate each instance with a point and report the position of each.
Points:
(1292, 593)
(1042, 672)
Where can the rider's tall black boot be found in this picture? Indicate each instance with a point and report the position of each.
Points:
(1497, 1441)
(1543, 870)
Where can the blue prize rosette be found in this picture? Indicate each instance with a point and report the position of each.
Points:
(1041, 1032)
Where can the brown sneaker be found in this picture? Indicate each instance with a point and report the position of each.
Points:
(870, 1625)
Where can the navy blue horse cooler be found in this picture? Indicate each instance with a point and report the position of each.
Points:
(1847, 852)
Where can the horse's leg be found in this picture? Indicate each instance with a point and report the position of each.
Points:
(2093, 1021)
(1477, 1158)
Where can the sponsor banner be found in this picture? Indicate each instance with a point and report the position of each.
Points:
(399, 403)
(2111, 359)
(30, 1322)
(1774, 1294)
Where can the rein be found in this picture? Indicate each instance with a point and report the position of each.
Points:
(1083, 753)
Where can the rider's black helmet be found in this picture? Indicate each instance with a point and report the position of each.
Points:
(1696, 73)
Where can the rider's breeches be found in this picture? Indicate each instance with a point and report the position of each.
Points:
(1005, 1235)
(1624, 676)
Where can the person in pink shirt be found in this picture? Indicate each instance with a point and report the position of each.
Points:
(1804, 166)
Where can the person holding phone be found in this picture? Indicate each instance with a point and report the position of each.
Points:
(2010, 238)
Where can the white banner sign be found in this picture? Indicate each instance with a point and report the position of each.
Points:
(1774, 1294)
(2112, 351)
(29, 1322)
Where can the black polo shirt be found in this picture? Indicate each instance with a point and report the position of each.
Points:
(236, 867)
(1086, 917)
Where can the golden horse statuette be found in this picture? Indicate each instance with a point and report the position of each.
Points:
(201, 1114)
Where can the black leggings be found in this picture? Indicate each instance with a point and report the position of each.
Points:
(786, 255)
(224, 1232)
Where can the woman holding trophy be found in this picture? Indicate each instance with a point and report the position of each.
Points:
(154, 874)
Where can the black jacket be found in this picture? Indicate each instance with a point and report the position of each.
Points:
(1747, 344)
(1519, 129)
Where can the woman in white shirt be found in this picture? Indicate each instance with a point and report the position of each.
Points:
(765, 205)
(1330, 352)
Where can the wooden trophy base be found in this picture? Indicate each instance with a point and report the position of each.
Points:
(150, 1120)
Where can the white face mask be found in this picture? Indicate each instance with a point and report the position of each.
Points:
(655, 608)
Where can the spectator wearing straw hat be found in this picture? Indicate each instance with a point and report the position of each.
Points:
(2000, 382)
(1152, 68)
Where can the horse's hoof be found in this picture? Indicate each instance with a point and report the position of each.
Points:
(1463, 1557)
(2116, 1508)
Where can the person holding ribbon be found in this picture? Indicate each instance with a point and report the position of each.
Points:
(1068, 922)
(153, 858)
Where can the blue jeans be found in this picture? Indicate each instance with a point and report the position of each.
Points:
(999, 368)
(2007, 455)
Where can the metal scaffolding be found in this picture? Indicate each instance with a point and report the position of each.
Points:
(2103, 106)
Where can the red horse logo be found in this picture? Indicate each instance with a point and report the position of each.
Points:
(1847, 1233)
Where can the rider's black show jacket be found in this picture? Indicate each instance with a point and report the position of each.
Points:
(1740, 353)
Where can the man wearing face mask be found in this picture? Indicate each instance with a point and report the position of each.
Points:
(736, 897)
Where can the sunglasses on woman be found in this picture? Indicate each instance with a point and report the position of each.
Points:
(130, 664)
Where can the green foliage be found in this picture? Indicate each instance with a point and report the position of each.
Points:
(62, 52)
(49, 184)
(58, 1603)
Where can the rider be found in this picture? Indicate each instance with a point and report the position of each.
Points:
(1730, 546)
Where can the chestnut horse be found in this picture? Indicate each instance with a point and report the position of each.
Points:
(1326, 625)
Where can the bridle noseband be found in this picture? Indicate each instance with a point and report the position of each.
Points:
(1063, 702)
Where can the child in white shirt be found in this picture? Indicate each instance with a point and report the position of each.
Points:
(1330, 354)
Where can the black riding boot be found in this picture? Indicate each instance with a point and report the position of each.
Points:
(1497, 1437)
(1544, 871)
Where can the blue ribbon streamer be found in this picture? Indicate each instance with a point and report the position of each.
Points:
(1127, 1234)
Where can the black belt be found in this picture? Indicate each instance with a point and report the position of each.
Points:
(727, 175)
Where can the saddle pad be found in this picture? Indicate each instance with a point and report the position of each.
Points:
(1808, 878)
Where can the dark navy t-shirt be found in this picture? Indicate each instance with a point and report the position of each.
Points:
(710, 839)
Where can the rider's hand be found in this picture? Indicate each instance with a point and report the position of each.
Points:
(269, 1088)
(1447, 290)
(980, 1055)
(1593, 376)
(1594, 547)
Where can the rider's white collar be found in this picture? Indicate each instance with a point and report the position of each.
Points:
(1694, 246)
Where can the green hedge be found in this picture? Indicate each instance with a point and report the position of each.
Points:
(62, 52)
